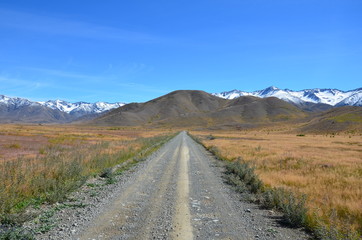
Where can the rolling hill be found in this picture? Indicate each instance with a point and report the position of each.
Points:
(346, 118)
(185, 108)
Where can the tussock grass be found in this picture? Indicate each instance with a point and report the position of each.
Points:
(241, 174)
(326, 168)
(61, 166)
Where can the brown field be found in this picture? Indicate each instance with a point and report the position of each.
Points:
(35, 160)
(43, 163)
(27, 140)
(327, 168)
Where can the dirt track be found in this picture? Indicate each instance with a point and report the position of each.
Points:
(179, 193)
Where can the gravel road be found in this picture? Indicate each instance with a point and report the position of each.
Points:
(178, 193)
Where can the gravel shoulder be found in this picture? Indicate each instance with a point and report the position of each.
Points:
(177, 193)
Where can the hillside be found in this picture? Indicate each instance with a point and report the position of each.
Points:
(197, 108)
(338, 119)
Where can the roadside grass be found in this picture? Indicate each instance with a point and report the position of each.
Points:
(16, 233)
(318, 175)
(64, 164)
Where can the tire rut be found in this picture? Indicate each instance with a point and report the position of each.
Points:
(180, 194)
(133, 210)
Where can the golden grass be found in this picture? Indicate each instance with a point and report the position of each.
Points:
(46, 162)
(31, 140)
(328, 168)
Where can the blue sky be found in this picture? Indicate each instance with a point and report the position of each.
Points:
(133, 51)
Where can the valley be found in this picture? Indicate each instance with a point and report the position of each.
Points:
(207, 120)
(308, 162)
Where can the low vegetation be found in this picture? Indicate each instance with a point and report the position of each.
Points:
(316, 180)
(61, 161)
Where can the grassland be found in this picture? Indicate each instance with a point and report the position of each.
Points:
(41, 164)
(327, 168)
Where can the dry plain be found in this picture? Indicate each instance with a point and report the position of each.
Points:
(325, 167)
(43, 163)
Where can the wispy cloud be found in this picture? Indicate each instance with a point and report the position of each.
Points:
(61, 73)
(72, 28)
(11, 84)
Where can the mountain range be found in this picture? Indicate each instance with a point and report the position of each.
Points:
(15, 109)
(198, 109)
(185, 108)
(331, 97)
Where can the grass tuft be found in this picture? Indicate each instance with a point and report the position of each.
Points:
(293, 207)
(62, 167)
(243, 172)
(16, 233)
(313, 191)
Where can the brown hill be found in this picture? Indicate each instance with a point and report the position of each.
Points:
(335, 120)
(197, 108)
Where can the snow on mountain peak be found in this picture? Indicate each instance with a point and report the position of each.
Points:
(332, 97)
(80, 108)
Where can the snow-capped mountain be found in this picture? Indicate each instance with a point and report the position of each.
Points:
(333, 97)
(15, 102)
(80, 107)
(77, 109)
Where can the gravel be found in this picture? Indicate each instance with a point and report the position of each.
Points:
(141, 203)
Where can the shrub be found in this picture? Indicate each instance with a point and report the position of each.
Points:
(293, 207)
(243, 177)
(106, 173)
(14, 146)
(210, 137)
(15, 233)
(246, 174)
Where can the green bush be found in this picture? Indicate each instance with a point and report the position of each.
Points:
(106, 173)
(14, 233)
(293, 207)
(246, 174)
(243, 177)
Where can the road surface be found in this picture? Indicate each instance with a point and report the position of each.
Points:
(180, 194)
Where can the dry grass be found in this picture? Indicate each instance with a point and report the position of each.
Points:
(328, 168)
(30, 140)
(43, 163)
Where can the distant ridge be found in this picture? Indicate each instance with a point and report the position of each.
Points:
(21, 110)
(331, 97)
(185, 108)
